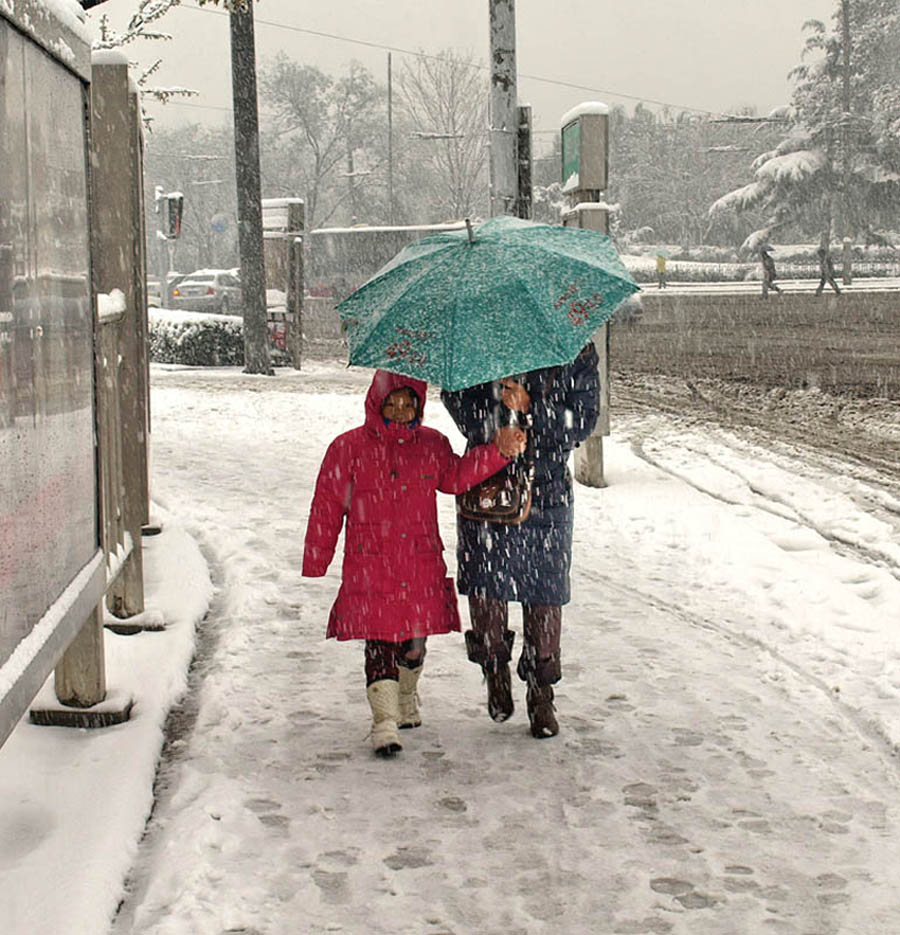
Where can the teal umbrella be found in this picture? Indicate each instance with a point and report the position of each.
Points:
(463, 307)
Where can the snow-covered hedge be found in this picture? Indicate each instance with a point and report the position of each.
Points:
(195, 339)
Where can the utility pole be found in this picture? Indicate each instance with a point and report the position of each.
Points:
(846, 105)
(249, 194)
(159, 199)
(525, 166)
(390, 141)
(504, 117)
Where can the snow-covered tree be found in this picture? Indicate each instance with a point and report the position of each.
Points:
(836, 170)
(666, 168)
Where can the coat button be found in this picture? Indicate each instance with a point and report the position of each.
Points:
(400, 441)
(402, 535)
(403, 486)
(402, 584)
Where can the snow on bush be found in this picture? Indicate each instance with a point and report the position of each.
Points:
(194, 339)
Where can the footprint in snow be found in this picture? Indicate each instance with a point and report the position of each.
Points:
(640, 795)
(333, 886)
(687, 738)
(453, 804)
(405, 858)
(262, 805)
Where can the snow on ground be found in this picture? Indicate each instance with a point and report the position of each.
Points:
(729, 708)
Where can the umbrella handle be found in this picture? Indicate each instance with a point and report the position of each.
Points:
(469, 229)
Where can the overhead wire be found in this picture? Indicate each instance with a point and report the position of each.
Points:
(432, 57)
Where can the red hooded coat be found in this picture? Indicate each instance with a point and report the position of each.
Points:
(383, 478)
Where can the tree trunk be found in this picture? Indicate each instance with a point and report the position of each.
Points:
(249, 196)
(845, 138)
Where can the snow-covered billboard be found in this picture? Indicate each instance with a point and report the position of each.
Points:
(48, 512)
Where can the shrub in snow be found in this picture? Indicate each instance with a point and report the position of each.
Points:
(197, 340)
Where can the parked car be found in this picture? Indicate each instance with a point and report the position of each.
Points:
(209, 290)
(154, 295)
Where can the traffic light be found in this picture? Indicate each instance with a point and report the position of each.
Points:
(176, 208)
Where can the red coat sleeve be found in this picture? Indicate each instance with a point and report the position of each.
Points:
(329, 506)
(458, 474)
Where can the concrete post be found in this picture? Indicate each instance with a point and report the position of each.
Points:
(80, 676)
(504, 118)
(585, 132)
(118, 263)
(589, 455)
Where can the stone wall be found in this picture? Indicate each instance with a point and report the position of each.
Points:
(847, 344)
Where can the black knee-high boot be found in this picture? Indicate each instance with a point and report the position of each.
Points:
(489, 644)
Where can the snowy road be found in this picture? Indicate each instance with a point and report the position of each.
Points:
(730, 707)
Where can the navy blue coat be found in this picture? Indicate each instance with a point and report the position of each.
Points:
(529, 563)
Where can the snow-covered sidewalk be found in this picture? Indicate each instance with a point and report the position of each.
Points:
(729, 707)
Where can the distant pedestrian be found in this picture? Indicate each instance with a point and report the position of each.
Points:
(768, 269)
(826, 272)
(660, 271)
(383, 478)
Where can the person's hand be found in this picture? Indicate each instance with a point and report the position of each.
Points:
(514, 395)
(510, 440)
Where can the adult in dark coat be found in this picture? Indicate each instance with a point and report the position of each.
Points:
(826, 272)
(768, 272)
(528, 563)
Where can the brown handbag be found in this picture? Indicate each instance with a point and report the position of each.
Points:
(504, 497)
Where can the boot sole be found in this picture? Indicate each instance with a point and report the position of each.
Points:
(543, 733)
(388, 750)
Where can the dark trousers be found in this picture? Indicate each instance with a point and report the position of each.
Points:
(539, 662)
(384, 658)
(831, 281)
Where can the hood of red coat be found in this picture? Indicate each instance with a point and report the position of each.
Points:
(383, 384)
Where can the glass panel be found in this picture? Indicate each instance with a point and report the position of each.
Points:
(48, 523)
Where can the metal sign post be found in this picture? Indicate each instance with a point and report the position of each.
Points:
(284, 220)
(584, 134)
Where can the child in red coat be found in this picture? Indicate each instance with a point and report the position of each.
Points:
(383, 477)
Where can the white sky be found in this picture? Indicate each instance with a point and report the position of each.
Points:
(704, 54)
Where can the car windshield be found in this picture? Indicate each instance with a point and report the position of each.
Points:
(201, 277)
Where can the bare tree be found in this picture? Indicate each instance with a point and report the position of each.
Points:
(142, 25)
(446, 99)
(325, 128)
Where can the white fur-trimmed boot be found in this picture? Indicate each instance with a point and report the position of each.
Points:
(384, 700)
(409, 698)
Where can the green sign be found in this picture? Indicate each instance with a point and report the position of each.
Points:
(571, 151)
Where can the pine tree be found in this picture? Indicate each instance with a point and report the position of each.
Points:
(836, 170)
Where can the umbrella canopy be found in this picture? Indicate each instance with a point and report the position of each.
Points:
(459, 308)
